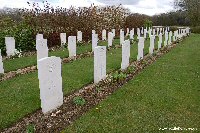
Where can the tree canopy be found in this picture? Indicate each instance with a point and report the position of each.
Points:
(192, 8)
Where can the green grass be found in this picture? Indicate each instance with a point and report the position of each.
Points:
(17, 63)
(164, 95)
(20, 95)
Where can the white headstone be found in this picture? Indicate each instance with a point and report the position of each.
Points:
(99, 63)
(104, 34)
(180, 34)
(63, 39)
(166, 28)
(138, 33)
(152, 43)
(149, 32)
(185, 32)
(94, 41)
(72, 46)
(140, 48)
(42, 49)
(1, 64)
(145, 33)
(132, 34)
(121, 37)
(174, 37)
(50, 83)
(79, 36)
(154, 32)
(160, 30)
(166, 38)
(170, 38)
(39, 36)
(188, 30)
(157, 31)
(160, 41)
(10, 46)
(110, 39)
(133, 31)
(125, 54)
(113, 31)
(93, 32)
(127, 31)
(142, 30)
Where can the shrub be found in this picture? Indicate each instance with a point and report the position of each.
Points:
(52, 21)
(6, 29)
(56, 20)
(148, 23)
(195, 29)
(23, 34)
(135, 20)
(2, 42)
(173, 28)
(24, 37)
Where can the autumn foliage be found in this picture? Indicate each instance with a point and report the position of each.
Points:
(52, 21)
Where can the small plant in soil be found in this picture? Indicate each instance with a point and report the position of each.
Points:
(165, 48)
(118, 76)
(1, 75)
(130, 69)
(132, 41)
(80, 43)
(65, 45)
(154, 54)
(79, 101)
(30, 128)
(110, 47)
(144, 62)
(149, 56)
(98, 88)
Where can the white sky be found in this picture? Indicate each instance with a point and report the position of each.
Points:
(149, 7)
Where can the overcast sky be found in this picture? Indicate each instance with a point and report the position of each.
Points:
(149, 7)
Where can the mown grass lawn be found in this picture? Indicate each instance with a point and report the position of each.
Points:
(20, 95)
(164, 95)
